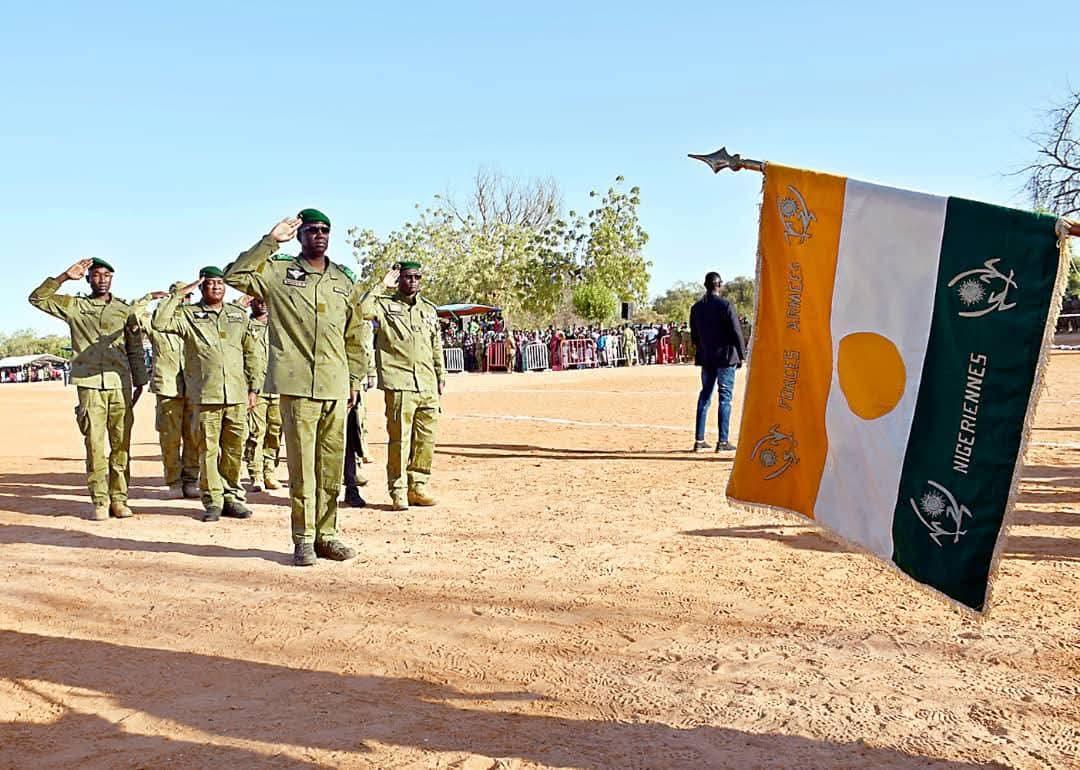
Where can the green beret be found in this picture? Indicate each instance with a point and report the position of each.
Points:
(101, 263)
(409, 265)
(313, 215)
(211, 272)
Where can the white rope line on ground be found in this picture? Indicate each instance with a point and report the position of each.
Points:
(562, 421)
(1058, 444)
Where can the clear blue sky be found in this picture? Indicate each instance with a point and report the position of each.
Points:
(163, 139)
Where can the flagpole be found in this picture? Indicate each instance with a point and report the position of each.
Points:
(721, 159)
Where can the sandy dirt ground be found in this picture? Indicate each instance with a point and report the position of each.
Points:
(582, 597)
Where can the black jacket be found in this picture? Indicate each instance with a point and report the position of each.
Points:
(715, 330)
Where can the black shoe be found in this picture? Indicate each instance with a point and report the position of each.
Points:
(235, 509)
(725, 446)
(700, 445)
(213, 513)
(335, 550)
(191, 490)
(303, 555)
(353, 498)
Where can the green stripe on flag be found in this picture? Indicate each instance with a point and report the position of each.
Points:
(996, 280)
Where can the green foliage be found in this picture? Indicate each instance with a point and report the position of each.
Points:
(673, 306)
(24, 342)
(595, 302)
(739, 291)
(516, 253)
(1073, 287)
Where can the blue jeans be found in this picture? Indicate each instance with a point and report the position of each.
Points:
(723, 379)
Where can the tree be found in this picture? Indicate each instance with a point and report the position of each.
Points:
(606, 246)
(674, 305)
(24, 342)
(506, 245)
(740, 292)
(1053, 180)
(595, 302)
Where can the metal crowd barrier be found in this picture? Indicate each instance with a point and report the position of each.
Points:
(454, 359)
(496, 355)
(534, 357)
(578, 354)
(664, 353)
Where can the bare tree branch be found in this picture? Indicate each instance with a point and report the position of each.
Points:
(1053, 183)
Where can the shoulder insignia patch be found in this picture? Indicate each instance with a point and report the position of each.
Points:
(283, 257)
(348, 273)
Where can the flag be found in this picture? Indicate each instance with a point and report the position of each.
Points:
(898, 344)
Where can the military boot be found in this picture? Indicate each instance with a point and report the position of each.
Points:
(303, 555)
(213, 513)
(120, 510)
(270, 480)
(419, 496)
(100, 512)
(257, 483)
(235, 509)
(334, 550)
(176, 490)
(191, 490)
(398, 503)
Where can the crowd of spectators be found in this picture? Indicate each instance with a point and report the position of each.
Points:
(624, 345)
(32, 374)
(1069, 322)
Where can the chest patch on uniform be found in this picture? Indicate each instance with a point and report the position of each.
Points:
(342, 290)
(294, 276)
(395, 307)
(200, 315)
(235, 318)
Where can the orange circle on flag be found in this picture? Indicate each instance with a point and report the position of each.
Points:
(872, 374)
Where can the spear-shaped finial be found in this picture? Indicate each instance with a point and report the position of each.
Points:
(722, 159)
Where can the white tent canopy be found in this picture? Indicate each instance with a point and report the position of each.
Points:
(34, 359)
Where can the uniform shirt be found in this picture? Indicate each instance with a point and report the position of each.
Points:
(105, 337)
(218, 355)
(258, 332)
(314, 345)
(167, 376)
(408, 348)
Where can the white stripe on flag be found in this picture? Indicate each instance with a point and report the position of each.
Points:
(886, 273)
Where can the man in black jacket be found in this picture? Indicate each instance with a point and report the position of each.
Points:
(719, 351)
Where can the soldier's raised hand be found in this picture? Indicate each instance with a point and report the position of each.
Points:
(391, 278)
(285, 230)
(158, 294)
(78, 270)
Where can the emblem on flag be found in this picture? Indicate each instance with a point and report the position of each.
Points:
(974, 286)
(937, 504)
(775, 452)
(796, 215)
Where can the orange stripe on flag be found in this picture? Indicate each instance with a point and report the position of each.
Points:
(782, 440)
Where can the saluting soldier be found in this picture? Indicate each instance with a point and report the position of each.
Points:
(264, 419)
(174, 412)
(315, 366)
(409, 365)
(219, 373)
(109, 371)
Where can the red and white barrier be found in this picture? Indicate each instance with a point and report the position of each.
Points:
(496, 355)
(577, 354)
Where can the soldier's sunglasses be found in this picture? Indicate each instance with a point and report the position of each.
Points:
(319, 229)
